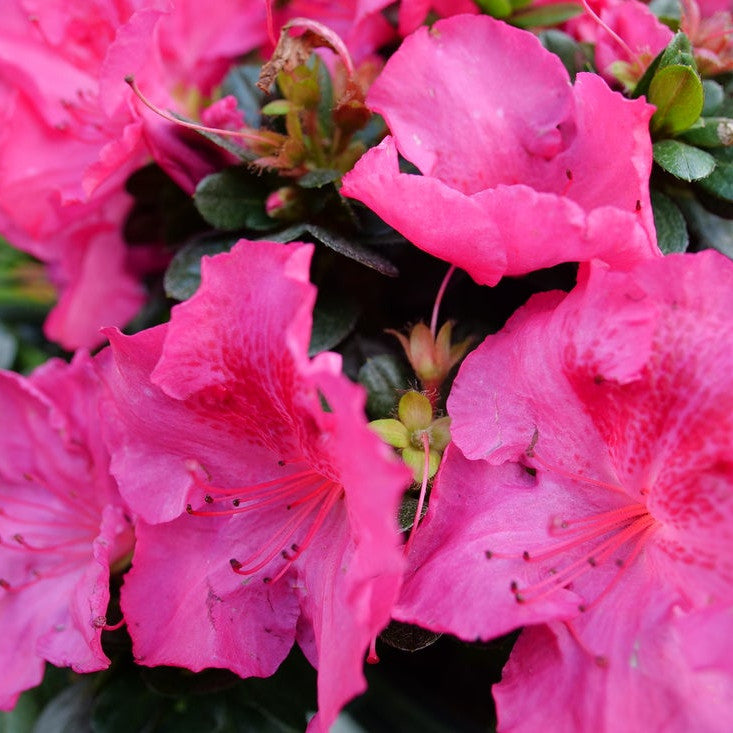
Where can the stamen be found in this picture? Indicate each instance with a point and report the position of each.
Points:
(532, 453)
(613, 34)
(241, 134)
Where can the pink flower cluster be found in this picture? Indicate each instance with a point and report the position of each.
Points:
(587, 494)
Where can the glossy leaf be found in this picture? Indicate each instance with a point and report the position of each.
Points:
(233, 199)
(334, 318)
(683, 161)
(677, 93)
(709, 230)
(710, 132)
(385, 378)
(574, 56)
(319, 177)
(496, 8)
(669, 223)
(720, 182)
(714, 96)
(353, 250)
(546, 15)
(183, 275)
(241, 82)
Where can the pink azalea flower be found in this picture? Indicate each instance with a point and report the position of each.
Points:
(414, 12)
(588, 495)
(71, 133)
(271, 517)
(515, 176)
(62, 525)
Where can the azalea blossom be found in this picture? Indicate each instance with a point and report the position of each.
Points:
(62, 524)
(588, 495)
(514, 177)
(71, 133)
(270, 507)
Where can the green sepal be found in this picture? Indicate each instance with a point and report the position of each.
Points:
(391, 431)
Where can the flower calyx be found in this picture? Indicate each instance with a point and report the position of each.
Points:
(432, 356)
(407, 433)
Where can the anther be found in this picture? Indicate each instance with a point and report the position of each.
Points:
(189, 509)
(638, 205)
(235, 564)
(209, 499)
(267, 581)
(281, 463)
(295, 547)
(514, 586)
(601, 661)
(4, 584)
(235, 502)
(582, 607)
(592, 561)
(525, 555)
(488, 554)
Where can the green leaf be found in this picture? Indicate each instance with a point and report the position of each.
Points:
(677, 93)
(668, 11)
(8, 352)
(124, 704)
(710, 231)
(720, 182)
(710, 132)
(574, 56)
(69, 711)
(233, 199)
(714, 96)
(496, 8)
(669, 223)
(384, 378)
(682, 160)
(546, 15)
(183, 275)
(407, 637)
(334, 318)
(319, 177)
(241, 82)
(353, 250)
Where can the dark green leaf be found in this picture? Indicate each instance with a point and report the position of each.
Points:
(710, 132)
(669, 223)
(318, 178)
(241, 82)
(334, 317)
(69, 711)
(233, 199)
(720, 182)
(714, 96)
(407, 637)
(683, 161)
(124, 704)
(668, 11)
(710, 231)
(677, 93)
(574, 56)
(546, 15)
(22, 717)
(385, 378)
(495, 8)
(8, 351)
(183, 275)
(353, 250)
